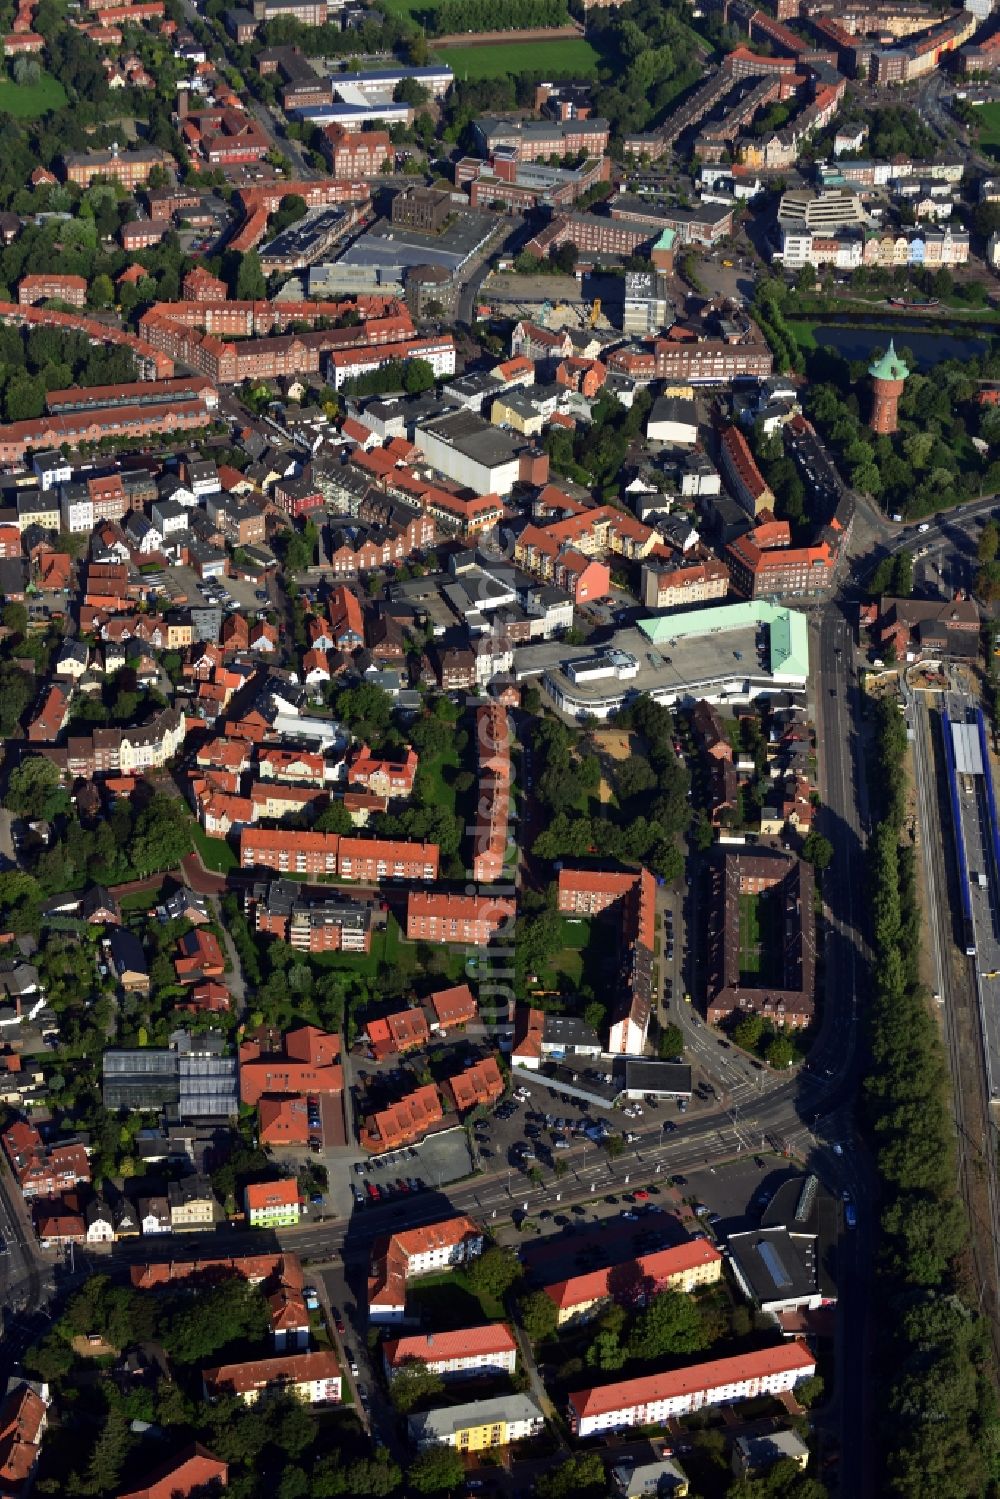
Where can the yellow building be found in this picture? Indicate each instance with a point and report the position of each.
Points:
(478, 1425)
(180, 633)
(514, 409)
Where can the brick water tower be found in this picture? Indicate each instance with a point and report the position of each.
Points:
(889, 375)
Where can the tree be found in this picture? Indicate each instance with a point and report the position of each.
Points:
(748, 1032)
(538, 1315)
(418, 376)
(494, 1272)
(102, 291)
(412, 1383)
(15, 617)
(250, 283)
(671, 1323)
(33, 788)
(785, 1480)
(989, 542)
(581, 1476)
(671, 1042)
(334, 819)
(817, 850)
(162, 835)
(437, 1470)
(780, 1051)
(809, 1391)
(230, 1311)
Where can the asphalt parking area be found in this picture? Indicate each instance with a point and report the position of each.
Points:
(731, 1190)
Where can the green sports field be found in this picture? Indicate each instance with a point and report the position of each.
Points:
(27, 101)
(571, 58)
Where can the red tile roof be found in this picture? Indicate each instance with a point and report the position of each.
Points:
(722, 1371)
(435, 1347)
(293, 1369)
(260, 1195)
(189, 1472)
(453, 1006)
(643, 1276)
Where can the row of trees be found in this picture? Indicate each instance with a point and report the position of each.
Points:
(453, 16)
(941, 1430)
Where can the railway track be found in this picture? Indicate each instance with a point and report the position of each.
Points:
(964, 1040)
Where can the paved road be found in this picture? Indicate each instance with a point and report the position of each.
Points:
(843, 798)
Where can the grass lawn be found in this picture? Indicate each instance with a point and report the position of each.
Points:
(749, 934)
(761, 922)
(140, 900)
(988, 124)
(215, 852)
(437, 776)
(450, 1302)
(26, 101)
(804, 334)
(569, 58)
(586, 951)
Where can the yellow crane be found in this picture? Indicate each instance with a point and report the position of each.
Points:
(595, 311)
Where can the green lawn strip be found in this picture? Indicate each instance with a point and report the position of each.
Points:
(565, 58)
(140, 900)
(750, 957)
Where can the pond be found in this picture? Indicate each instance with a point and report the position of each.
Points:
(928, 348)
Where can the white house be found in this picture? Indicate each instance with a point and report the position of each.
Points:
(76, 508)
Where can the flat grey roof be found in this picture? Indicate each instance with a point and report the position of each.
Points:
(470, 434)
(394, 246)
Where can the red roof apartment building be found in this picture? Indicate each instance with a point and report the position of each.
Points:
(680, 1268)
(739, 468)
(472, 919)
(760, 570)
(23, 1419)
(654, 1398)
(416, 1251)
(313, 1378)
(463, 1353)
(356, 153)
(51, 287)
(373, 859)
(391, 778)
(43, 1171)
(403, 1122)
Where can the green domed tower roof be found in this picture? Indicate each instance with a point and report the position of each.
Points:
(889, 367)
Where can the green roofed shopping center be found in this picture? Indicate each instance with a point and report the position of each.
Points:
(731, 653)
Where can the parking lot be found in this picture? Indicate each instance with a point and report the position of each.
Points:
(434, 1162)
(737, 1192)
